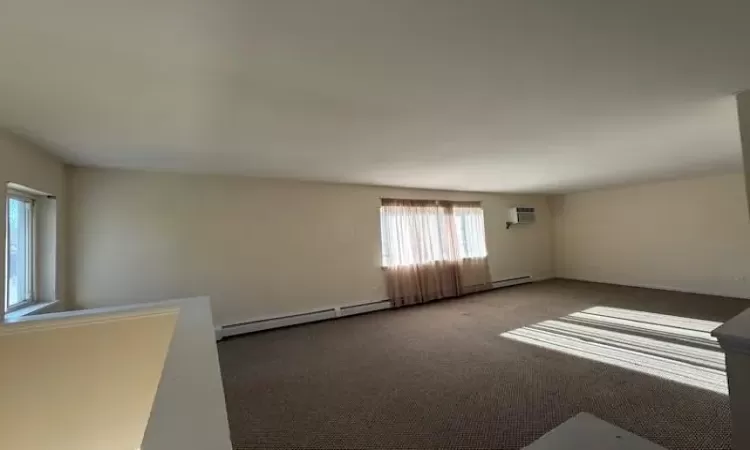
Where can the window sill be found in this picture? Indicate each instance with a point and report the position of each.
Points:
(36, 308)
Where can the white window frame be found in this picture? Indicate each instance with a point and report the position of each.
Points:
(31, 250)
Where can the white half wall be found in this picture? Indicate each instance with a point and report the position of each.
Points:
(188, 410)
(257, 247)
(81, 382)
(689, 235)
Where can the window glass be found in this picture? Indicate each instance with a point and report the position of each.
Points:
(19, 252)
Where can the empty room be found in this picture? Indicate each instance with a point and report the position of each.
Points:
(394, 224)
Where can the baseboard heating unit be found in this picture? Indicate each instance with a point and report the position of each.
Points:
(333, 312)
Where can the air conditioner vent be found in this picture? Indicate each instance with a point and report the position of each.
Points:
(522, 215)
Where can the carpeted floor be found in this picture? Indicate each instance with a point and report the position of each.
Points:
(441, 376)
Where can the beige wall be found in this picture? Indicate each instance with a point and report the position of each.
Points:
(81, 383)
(691, 235)
(26, 164)
(743, 115)
(257, 247)
(189, 409)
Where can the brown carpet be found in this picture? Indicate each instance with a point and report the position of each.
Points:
(440, 376)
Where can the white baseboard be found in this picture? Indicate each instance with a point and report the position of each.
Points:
(332, 312)
(285, 320)
(513, 281)
(659, 287)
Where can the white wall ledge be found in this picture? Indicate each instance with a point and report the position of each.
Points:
(735, 334)
(35, 308)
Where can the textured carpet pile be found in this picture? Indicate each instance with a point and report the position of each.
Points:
(440, 376)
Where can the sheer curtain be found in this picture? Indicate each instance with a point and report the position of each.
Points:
(432, 249)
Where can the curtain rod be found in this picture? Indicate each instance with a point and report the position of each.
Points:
(429, 200)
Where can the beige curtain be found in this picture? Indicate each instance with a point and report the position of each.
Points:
(432, 250)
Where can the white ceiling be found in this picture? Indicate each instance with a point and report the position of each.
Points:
(496, 95)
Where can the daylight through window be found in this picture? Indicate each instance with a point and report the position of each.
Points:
(440, 231)
(19, 251)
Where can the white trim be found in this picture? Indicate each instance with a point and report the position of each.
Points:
(119, 309)
(32, 309)
(658, 287)
(513, 281)
(31, 249)
(25, 190)
(262, 323)
(363, 308)
(85, 317)
(267, 323)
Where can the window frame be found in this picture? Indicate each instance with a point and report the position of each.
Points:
(460, 222)
(31, 253)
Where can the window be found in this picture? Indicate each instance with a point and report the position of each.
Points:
(423, 232)
(19, 251)
(470, 231)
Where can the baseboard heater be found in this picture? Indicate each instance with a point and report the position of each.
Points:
(333, 312)
(512, 281)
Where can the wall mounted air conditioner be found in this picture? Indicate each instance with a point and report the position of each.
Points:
(521, 215)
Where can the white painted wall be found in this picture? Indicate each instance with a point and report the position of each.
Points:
(189, 411)
(690, 235)
(257, 247)
(28, 165)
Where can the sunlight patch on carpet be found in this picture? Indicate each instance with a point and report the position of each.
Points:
(679, 349)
